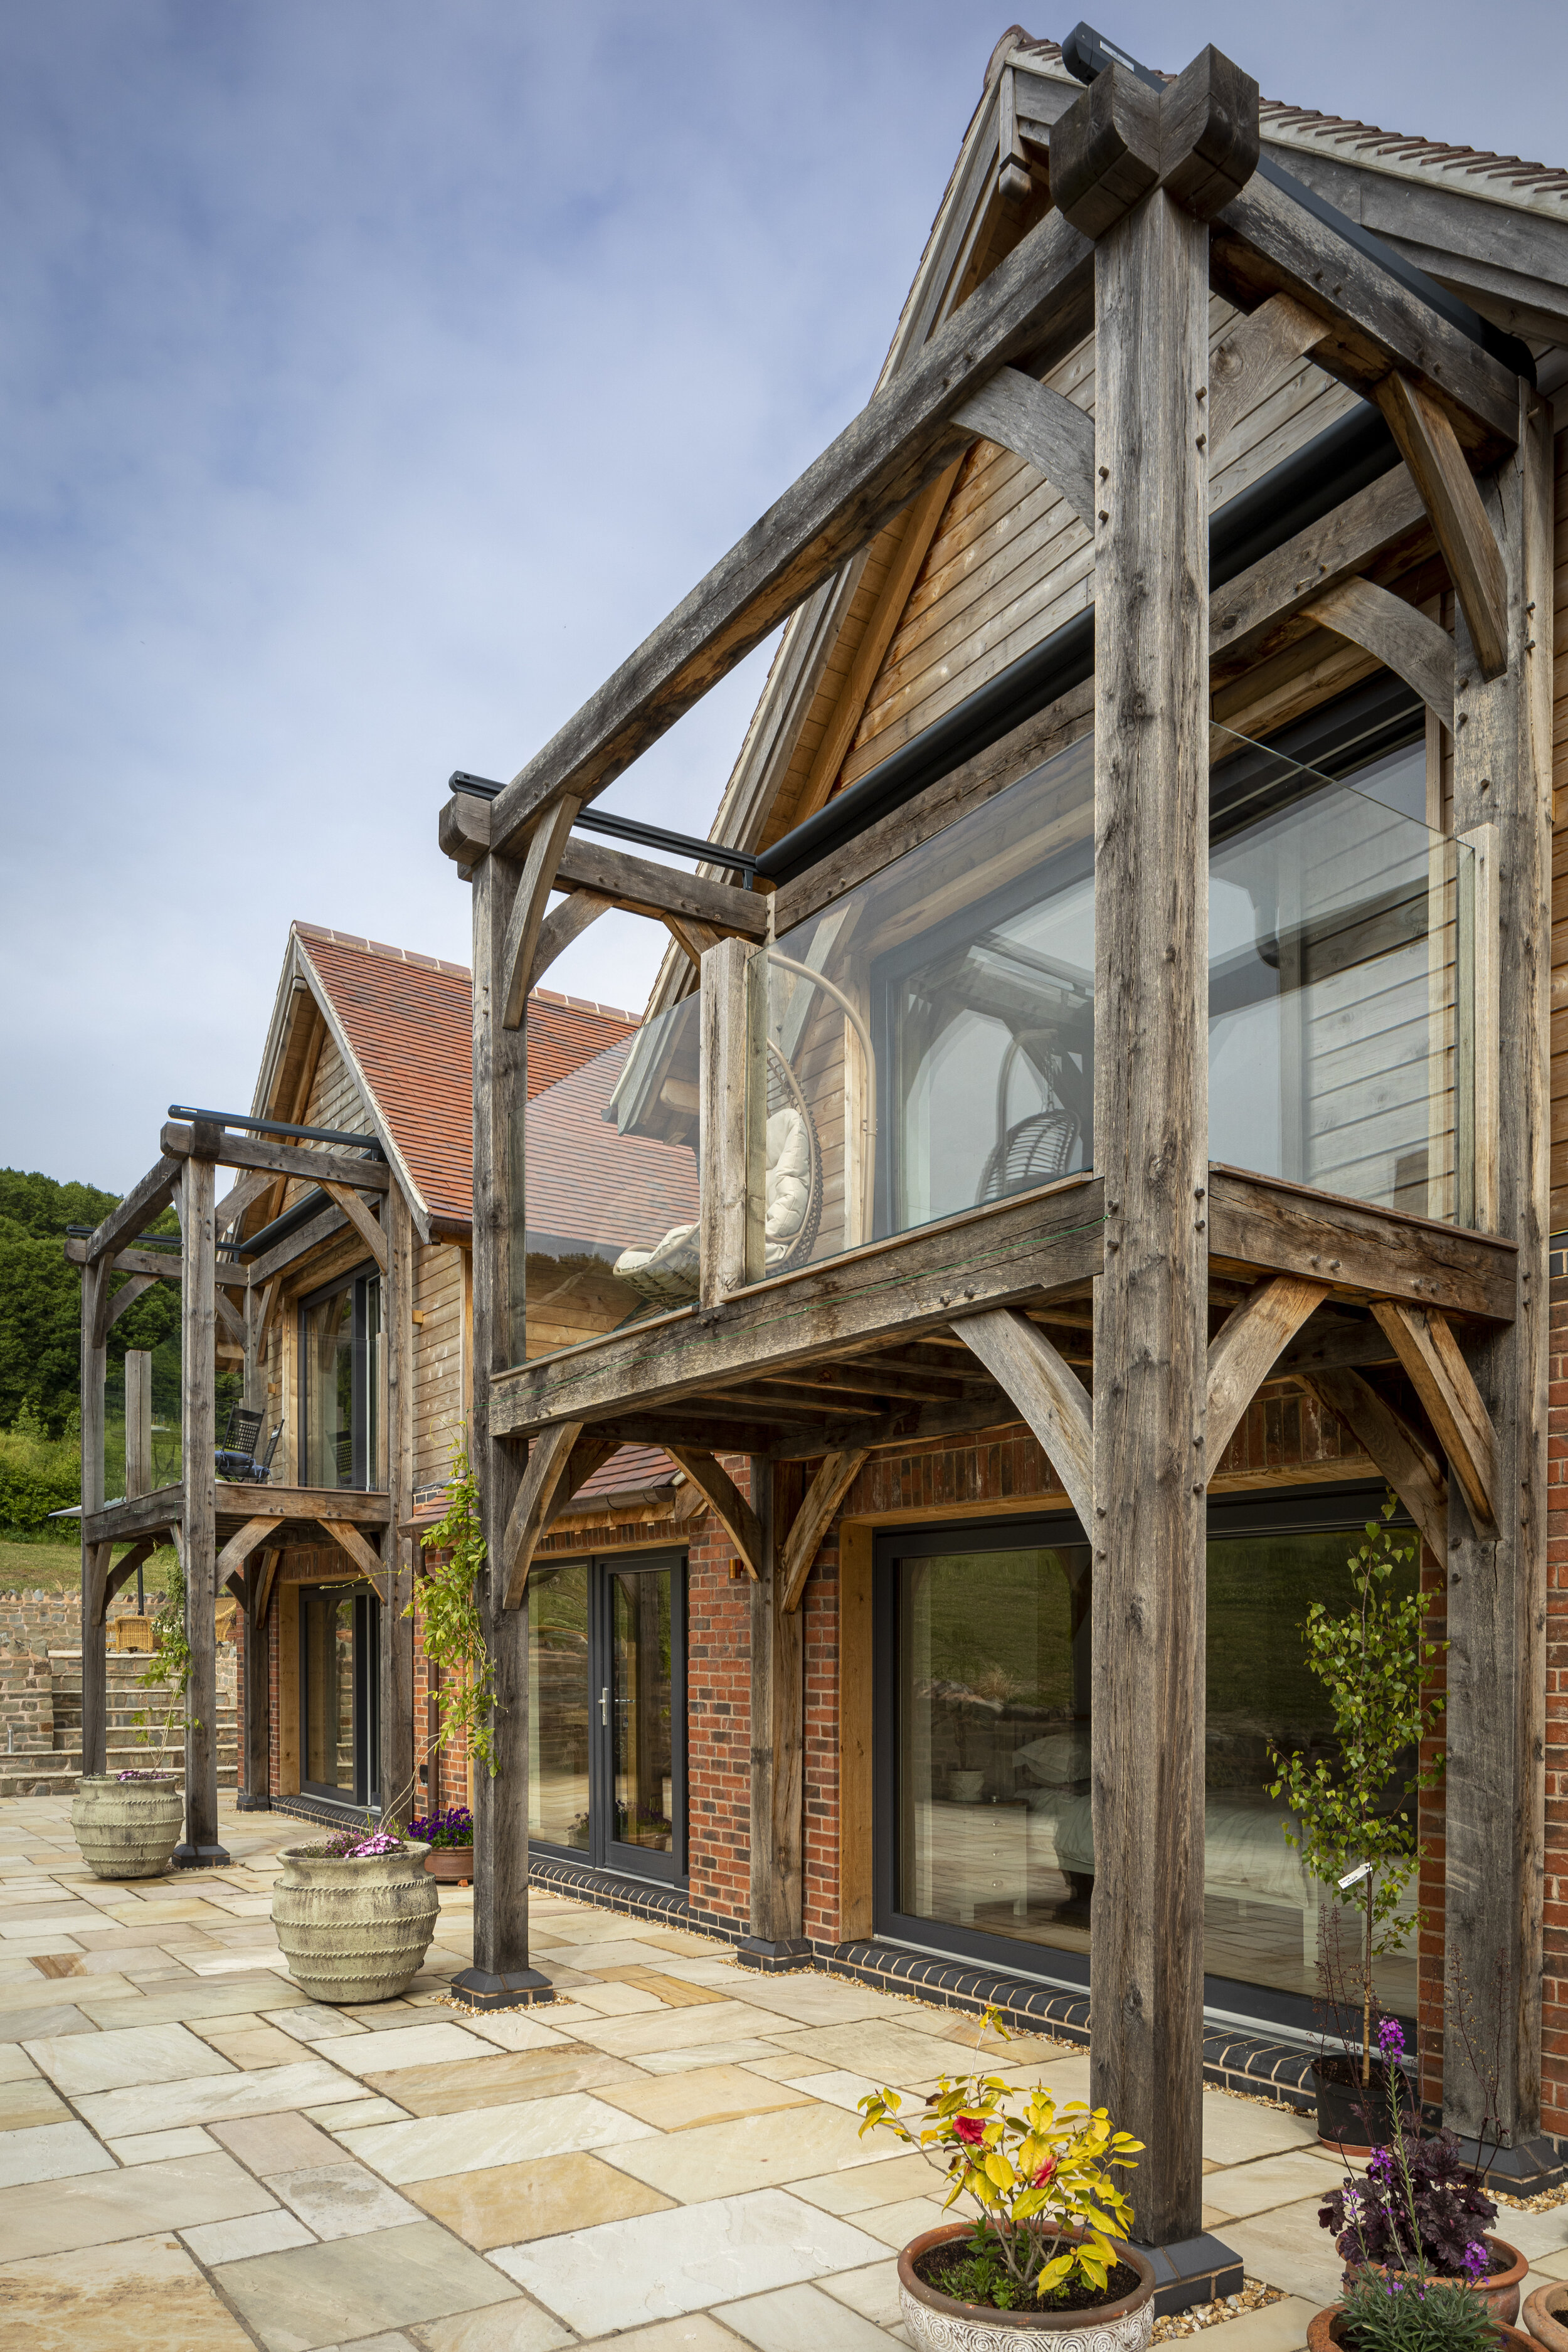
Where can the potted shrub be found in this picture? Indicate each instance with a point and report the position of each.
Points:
(1351, 1816)
(1420, 2215)
(1040, 2255)
(127, 1824)
(354, 1914)
(450, 1838)
(1400, 2315)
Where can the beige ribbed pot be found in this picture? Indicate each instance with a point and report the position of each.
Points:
(354, 1926)
(128, 1828)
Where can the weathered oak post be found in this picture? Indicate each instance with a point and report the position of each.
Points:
(1494, 1721)
(777, 1938)
(138, 1423)
(1142, 172)
(95, 1558)
(198, 1369)
(397, 1789)
(500, 1976)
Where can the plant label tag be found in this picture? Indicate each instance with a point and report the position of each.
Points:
(1352, 1877)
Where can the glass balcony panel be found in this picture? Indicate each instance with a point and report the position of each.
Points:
(610, 1186)
(931, 1033)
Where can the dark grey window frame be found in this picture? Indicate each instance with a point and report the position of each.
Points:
(358, 1279)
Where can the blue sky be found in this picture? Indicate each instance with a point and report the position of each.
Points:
(374, 376)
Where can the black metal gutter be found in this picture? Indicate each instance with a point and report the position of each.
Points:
(1308, 485)
(310, 1204)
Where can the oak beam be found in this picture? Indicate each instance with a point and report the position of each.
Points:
(1398, 1450)
(201, 1846)
(1047, 1392)
(395, 1665)
(123, 1569)
(94, 1366)
(364, 1556)
(1243, 1351)
(255, 1792)
(559, 1461)
(126, 1296)
(730, 1135)
(561, 925)
(1256, 356)
(1034, 305)
(1266, 1222)
(725, 1501)
(811, 1522)
(146, 1200)
(294, 1246)
(1049, 431)
(1401, 637)
(1388, 514)
(532, 896)
(1440, 1377)
(316, 1166)
(344, 1197)
(777, 1871)
(642, 887)
(1459, 522)
(238, 1549)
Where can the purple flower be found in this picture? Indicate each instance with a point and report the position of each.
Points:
(1391, 2038)
(1477, 2260)
(379, 1843)
(1380, 2165)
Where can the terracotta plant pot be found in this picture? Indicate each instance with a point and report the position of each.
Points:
(1324, 2333)
(354, 1926)
(937, 2323)
(451, 1865)
(1540, 2316)
(128, 1828)
(1500, 2290)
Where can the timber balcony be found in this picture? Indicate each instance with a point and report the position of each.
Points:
(898, 1092)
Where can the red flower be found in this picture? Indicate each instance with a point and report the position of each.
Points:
(1045, 2172)
(971, 2129)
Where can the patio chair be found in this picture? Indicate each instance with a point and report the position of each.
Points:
(1035, 1150)
(236, 1456)
(261, 1468)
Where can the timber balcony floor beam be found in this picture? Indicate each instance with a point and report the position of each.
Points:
(235, 1151)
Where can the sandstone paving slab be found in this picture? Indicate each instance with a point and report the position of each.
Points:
(313, 2022)
(19, 1943)
(337, 2293)
(509, 2203)
(816, 2001)
(49, 2152)
(869, 2185)
(431, 2146)
(504, 2077)
(618, 1999)
(342, 2200)
(183, 2003)
(253, 2233)
(610, 1952)
(1271, 2180)
(277, 2143)
(1535, 2234)
(30, 2101)
(16, 2066)
(660, 2265)
(872, 2291)
(1286, 2247)
(356, 2114)
(897, 2224)
(120, 2059)
(710, 2094)
(513, 2030)
(519, 2327)
(380, 2016)
(154, 2148)
(166, 2106)
(263, 2045)
(758, 2055)
(670, 2029)
(405, 2046)
(757, 2152)
(873, 2046)
(52, 2217)
(229, 1963)
(1237, 2130)
(800, 2319)
(837, 2088)
(144, 2292)
(1277, 2327)
(49, 2015)
(696, 2331)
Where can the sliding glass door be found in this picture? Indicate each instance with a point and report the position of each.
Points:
(607, 1712)
(340, 1692)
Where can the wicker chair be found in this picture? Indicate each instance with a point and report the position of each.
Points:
(1034, 1150)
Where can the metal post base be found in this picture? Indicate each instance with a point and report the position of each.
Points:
(200, 1857)
(522, 1988)
(1192, 2271)
(244, 1803)
(772, 1957)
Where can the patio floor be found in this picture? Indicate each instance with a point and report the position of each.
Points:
(192, 2153)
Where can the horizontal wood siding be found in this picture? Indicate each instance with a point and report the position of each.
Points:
(1560, 845)
(440, 1399)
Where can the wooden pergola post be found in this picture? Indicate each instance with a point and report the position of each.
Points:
(95, 1558)
(500, 1976)
(198, 1369)
(1493, 1725)
(777, 1938)
(1142, 172)
(397, 1789)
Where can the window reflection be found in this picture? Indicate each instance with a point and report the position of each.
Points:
(641, 1762)
(559, 1706)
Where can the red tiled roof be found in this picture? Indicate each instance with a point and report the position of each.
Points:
(408, 1022)
(586, 1181)
(629, 1469)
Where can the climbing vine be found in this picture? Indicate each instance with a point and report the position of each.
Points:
(169, 1661)
(447, 1603)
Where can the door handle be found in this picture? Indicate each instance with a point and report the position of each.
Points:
(604, 1703)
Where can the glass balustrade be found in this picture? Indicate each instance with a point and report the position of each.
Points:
(931, 1033)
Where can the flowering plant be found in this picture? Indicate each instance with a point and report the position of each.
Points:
(455, 1827)
(346, 1846)
(1419, 2209)
(1421, 2314)
(1039, 2174)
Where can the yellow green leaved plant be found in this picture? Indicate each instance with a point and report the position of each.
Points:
(1040, 2175)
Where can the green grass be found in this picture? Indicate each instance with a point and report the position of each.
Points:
(55, 1568)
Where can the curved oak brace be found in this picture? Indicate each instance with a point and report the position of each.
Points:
(263, 1575)
(1245, 1348)
(1049, 431)
(545, 843)
(360, 1217)
(347, 1537)
(1399, 1452)
(560, 1462)
(562, 926)
(1430, 448)
(1426, 1346)
(123, 1571)
(1047, 1391)
(127, 1296)
(739, 1522)
(1404, 639)
(238, 1549)
(823, 1496)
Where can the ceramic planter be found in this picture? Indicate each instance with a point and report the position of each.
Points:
(128, 1828)
(1349, 2119)
(937, 2323)
(1499, 2291)
(1324, 2333)
(1543, 2316)
(354, 1926)
(451, 1865)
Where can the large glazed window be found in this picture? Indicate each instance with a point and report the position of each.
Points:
(986, 1827)
(931, 1033)
(340, 1692)
(339, 1384)
(559, 1705)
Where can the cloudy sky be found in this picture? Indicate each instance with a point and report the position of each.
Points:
(376, 372)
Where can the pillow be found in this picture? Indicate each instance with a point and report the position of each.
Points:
(1058, 1762)
(788, 1184)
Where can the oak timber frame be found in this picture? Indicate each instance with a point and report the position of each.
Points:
(1182, 1284)
(229, 1535)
